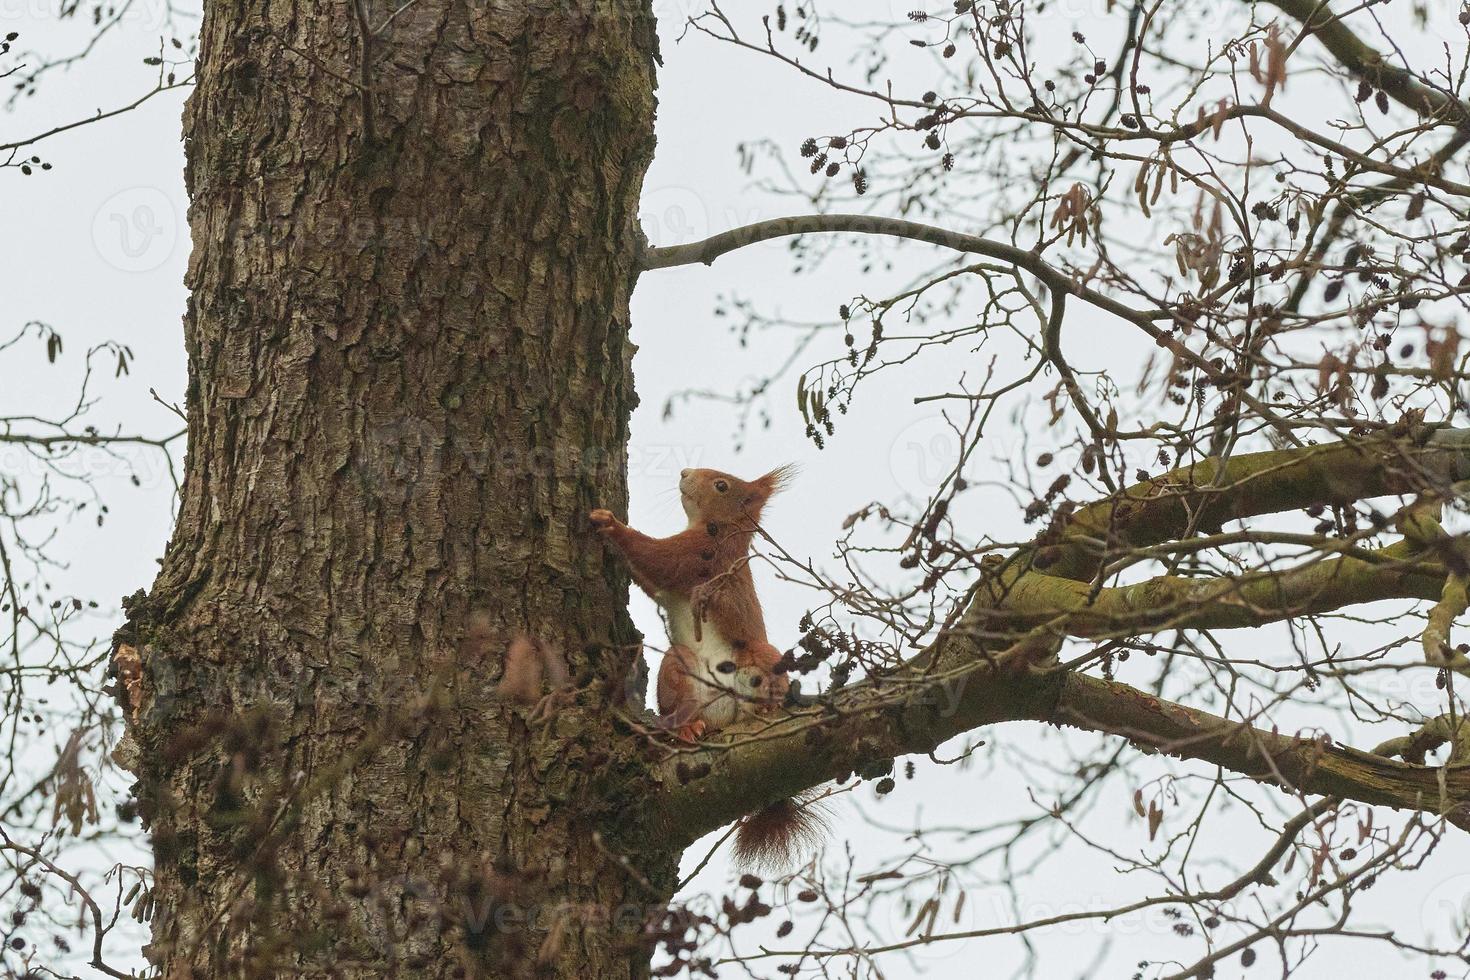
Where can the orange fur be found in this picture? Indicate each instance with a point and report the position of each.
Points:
(704, 571)
(521, 680)
(774, 838)
(707, 565)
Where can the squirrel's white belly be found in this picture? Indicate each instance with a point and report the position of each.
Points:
(717, 689)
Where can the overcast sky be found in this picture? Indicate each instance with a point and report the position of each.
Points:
(97, 247)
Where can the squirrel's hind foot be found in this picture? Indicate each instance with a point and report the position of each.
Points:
(689, 732)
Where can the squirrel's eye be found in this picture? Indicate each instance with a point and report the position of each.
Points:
(721, 486)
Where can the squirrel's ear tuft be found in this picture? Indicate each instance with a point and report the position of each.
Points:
(778, 479)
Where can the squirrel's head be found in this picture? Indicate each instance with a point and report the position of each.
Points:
(709, 495)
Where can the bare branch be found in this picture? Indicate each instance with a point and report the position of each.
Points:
(1356, 56)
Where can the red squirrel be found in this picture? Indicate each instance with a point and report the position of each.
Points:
(720, 664)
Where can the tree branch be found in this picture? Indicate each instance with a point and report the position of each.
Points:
(853, 730)
(1055, 279)
(857, 224)
(1032, 598)
(957, 686)
(862, 728)
(1404, 87)
(1203, 496)
(99, 116)
(1311, 766)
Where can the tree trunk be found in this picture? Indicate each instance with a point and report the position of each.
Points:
(414, 242)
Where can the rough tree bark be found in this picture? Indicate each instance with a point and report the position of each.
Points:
(414, 243)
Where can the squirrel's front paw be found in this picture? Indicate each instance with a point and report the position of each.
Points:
(602, 520)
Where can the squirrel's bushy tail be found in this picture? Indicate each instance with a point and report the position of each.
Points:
(776, 837)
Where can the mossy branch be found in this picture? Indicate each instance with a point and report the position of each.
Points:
(1203, 496)
(956, 686)
(862, 729)
(1172, 601)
